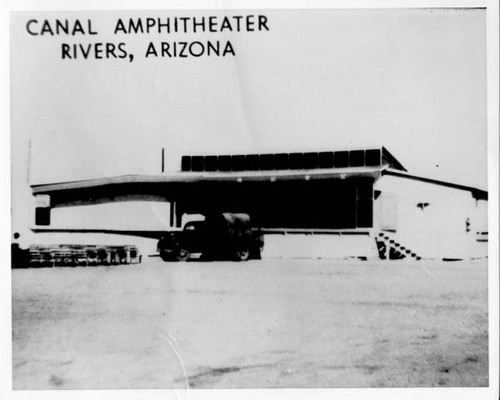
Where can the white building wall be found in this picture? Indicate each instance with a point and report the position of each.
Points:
(430, 219)
(127, 215)
(319, 246)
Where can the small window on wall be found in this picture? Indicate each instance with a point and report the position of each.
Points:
(281, 161)
(252, 162)
(225, 163)
(422, 206)
(266, 162)
(296, 161)
(211, 163)
(326, 159)
(311, 160)
(198, 163)
(238, 163)
(341, 159)
(357, 158)
(372, 158)
(186, 163)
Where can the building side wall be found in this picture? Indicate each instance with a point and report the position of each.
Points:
(432, 220)
(320, 246)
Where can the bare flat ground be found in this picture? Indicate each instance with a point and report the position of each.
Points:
(270, 323)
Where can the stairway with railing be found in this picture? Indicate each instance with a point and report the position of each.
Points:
(391, 249)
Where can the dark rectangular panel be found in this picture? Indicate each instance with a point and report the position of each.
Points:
(224, 163)
(310, 160)
(266, 162)
(186, 163)
(42, 216)
(341, 159)
(211, 163)
(365, 189)
(238, 163)
(326, 159)
(281, 161)
(296, 160)
(314, 204)
(357, 158)
(364, 214)
(198, 163)
(372, 158)
(252, 162)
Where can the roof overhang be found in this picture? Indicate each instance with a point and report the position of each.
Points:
(476, 193)
(198, 177)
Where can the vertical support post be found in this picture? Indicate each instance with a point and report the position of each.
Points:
(162, 160)
(178, 216)
(173, 215)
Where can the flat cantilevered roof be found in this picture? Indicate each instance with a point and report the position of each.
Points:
(376, 162)
(250, 168)
(197, 177)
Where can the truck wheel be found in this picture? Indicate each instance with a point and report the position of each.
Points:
(181, 254)
(242, 253)
(165, 256)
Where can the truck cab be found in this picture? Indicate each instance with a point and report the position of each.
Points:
(220, 236)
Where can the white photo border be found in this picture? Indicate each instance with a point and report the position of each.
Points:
(492, 392)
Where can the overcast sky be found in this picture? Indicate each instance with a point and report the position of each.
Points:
(411, 80)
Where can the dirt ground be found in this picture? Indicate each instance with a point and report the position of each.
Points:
(270, 323)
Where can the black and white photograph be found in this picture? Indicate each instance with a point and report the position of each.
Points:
(255, 198)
